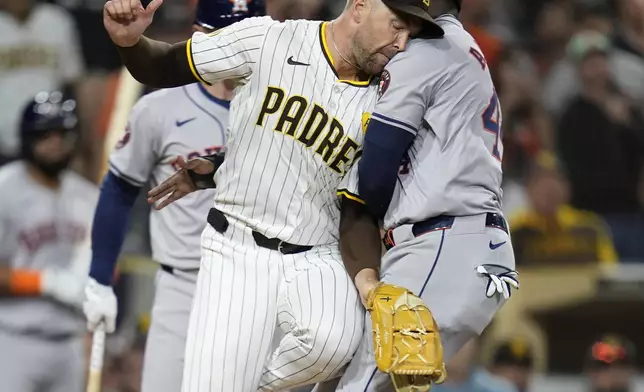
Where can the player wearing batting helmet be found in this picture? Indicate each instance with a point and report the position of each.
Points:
(163, 127)
(45, 218)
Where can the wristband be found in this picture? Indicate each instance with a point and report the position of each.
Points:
(206, 181)
(25, 282)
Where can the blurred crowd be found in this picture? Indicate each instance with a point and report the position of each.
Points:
(570, 77)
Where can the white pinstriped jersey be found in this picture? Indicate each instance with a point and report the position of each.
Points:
(185, 121)
(43, 228)
(441, 91)
(295, 128)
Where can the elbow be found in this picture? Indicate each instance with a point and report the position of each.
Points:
(370, 189)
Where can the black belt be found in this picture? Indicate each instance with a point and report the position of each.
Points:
(218, 221)
(172, 270)
(444, 222)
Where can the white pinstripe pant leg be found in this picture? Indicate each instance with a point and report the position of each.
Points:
(233, 317)
(320, 318)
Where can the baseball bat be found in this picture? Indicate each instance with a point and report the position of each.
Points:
(96, 359)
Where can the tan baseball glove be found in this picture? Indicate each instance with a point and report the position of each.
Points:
(406, 341)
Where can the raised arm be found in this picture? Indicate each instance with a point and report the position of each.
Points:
(226, 54)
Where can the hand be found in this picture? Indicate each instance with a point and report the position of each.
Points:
(179, 184)
(366, 280)
(63, 286)
(99, 305)
(126, 20)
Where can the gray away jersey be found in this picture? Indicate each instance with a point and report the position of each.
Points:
(42, 228)
(184, 121)
(442, 92)
(294, 127)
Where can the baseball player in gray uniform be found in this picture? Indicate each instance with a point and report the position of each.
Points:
(431, 170)
(274, 307)
(186, 121)
(45, 219)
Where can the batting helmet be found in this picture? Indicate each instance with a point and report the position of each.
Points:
(48, 112)
(217, 14)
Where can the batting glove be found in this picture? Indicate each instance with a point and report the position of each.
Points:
(63, 286)
(99, 306)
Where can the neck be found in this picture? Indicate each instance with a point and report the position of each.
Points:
(221, 90)
(41, 179)
(337, 36)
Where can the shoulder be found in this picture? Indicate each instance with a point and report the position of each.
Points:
(154, 107)
(81, 186)
(12, 173)
(164, 96)
(53, 14)
(259, 22)
(298, 24)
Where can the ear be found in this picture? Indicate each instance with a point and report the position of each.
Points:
(360, 9)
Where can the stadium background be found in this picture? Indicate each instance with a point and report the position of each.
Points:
(570, 76)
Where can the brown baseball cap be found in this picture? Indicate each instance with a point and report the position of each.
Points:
(418, 9)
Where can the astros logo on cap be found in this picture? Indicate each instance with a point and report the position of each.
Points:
(242, 5)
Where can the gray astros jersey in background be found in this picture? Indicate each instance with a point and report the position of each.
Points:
(190, 122)
(184, 121)
(445, 213)
(283, 187)
(454, 164)
(42, 228)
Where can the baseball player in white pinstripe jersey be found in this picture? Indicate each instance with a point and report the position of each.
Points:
(187, 121)
(274, 307)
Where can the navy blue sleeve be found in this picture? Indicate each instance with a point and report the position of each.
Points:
(385, 146)
(111, 220)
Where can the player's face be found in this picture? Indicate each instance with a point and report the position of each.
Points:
(380, 37)
(53, 147)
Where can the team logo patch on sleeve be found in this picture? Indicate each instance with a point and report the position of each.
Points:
(124, 139)
(240, 5)
(385, 78)
(366, 117)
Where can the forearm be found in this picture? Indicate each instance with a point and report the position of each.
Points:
(158, 64)
(111, 220)
(359, 241)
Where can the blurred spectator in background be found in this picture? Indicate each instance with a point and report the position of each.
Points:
(562, 82)
(39, 51)
(475, 15)
(465, 375)
(625, 53)
(552, 231)
(627, 58)
(513, 361)
(553, 27)
(610, 365)
(601, 142)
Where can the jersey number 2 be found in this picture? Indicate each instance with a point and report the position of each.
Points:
(492, 123)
